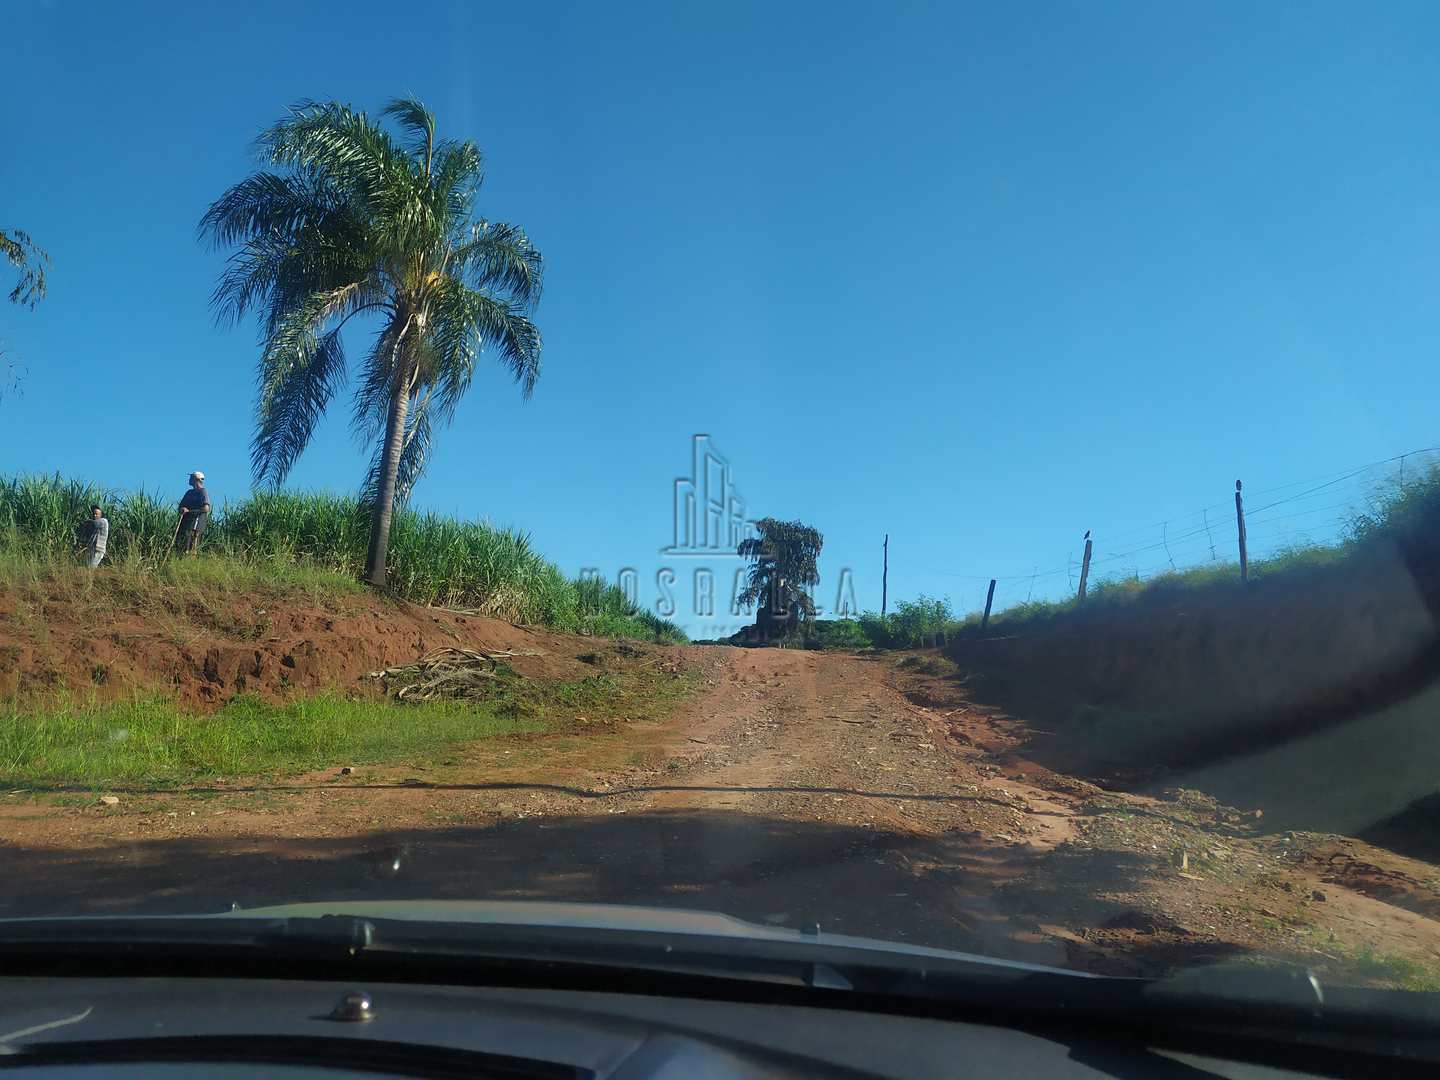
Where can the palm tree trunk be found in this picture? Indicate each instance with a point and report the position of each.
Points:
(389, 475)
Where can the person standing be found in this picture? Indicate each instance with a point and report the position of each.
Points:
(97, 536)
(194, 510)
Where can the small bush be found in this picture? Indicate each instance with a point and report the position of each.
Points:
(834, 634)
(914, 624)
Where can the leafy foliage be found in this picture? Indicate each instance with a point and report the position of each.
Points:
(843, 634)
(784, 555)
(913, 624)
(31, 261)
(357, 219)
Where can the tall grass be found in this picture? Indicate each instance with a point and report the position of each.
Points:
(433, 559)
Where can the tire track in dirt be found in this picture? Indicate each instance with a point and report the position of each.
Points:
(798, 787)
(795, 788)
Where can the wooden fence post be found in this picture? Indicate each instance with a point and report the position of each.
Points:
(885, 575)
(1085, 566)
(989, 599)
(1240, 528)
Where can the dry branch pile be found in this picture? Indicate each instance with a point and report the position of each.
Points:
(446, 672)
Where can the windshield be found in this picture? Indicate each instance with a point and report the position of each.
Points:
(959, 475)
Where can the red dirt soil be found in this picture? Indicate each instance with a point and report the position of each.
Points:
(870, 796)
(206, 653)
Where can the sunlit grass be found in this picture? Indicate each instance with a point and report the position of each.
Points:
(147, 740)
(1368, 965)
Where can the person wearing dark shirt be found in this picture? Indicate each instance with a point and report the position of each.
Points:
(194, 509)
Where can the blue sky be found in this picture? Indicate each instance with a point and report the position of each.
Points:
(978, 276)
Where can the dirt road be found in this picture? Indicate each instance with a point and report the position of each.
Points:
(864, 795)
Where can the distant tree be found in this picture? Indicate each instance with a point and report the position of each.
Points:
(356, 222)
(22, 253)
(785, 555)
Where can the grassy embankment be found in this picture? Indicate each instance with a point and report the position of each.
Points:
(1406, 516)
(274, 546)
(317, 541)
(147, 741)
(1309, 692)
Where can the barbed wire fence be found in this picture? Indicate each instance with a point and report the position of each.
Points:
(1317, 510)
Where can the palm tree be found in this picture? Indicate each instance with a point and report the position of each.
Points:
(785, 555)
(354, 221)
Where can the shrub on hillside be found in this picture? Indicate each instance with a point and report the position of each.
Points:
(914, 624)
(835, 634)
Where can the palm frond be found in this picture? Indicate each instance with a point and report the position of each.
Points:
(297, 237)
(300, 373)
(273, 275)
(31, 261)
(370, 408)
(499, 256)
(266, 204)
(337, 144)
(414, 457)
(458, 172)
(465, 322)
(419, 123)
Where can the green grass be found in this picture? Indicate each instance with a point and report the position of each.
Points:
(645, 694)
(316, 539)
(1403, 516)
(914, 624)
(1120, 592)
(1370, 965)
(204, 576)
(929, 665)
(147, 741)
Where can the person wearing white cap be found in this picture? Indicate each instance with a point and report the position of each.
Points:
(194, 509)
